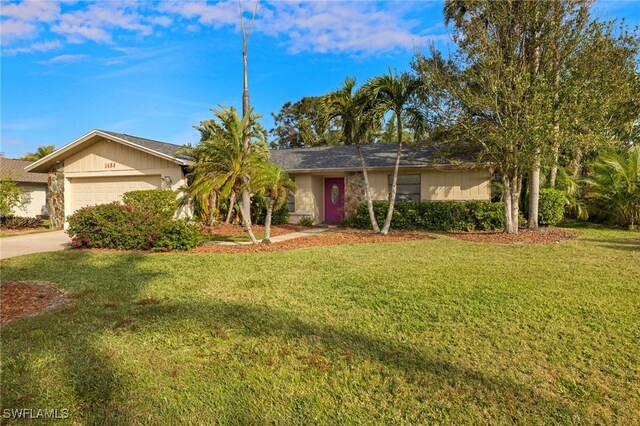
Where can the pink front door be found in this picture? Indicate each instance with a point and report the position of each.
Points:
(333, 199)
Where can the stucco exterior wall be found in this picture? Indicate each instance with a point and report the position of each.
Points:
(437, 185)
(36, 196)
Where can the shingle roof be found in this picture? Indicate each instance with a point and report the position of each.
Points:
(346, 157)
(14, 169)
(161, 147)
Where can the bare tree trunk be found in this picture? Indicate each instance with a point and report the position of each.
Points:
(247, 223)
(553, 174)
(534, 193)
(211, 214)
(267, 223)
(516, 188)
(246, 196)
(394, 183)
(575, 163)
(506, 197)
(367, 190)
(232, 202)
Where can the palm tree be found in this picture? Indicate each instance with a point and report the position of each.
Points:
(614, 185)
(357, 124)
(222, 164)
(273, 183)
(390, 93)
(41, 152)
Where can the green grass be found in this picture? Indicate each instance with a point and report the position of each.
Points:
(438, 331)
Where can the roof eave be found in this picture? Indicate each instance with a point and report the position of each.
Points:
(57, 153)
(434, 166)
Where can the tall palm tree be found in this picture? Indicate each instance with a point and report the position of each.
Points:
(614, 185)
(357, 124)
(394, 93)
(273, 183)
(41, 152)
(222, 163)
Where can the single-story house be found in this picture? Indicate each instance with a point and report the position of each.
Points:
(101, 166)
(34, 187)
(330, 183)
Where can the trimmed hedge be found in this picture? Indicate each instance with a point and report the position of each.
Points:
(120, 226)
(161, 202)
(551, 206)
(433, 215)
(18, 222)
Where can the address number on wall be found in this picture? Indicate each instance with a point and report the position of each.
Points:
(109, 165)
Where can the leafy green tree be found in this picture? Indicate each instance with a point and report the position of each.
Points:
(41, 152)
(11, 196)
(358, 124)
(222, 165)
(395, 93)
(302, 124)
(520, 83)
(614, 186)
(272, 182)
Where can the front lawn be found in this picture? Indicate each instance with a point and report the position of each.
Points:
(420, 332)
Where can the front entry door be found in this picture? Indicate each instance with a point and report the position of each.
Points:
(333, 199)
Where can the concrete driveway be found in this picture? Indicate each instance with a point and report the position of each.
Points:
(33, 243)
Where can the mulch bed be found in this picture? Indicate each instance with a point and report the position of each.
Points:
(21, 299)
(327, 238)
(229, 230)
(550, 235)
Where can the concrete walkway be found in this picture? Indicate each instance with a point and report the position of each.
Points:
(275, 240)
(33, 243)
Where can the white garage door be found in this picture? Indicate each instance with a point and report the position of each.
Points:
(102, 190)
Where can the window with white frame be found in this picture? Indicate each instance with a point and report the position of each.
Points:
(407, 187)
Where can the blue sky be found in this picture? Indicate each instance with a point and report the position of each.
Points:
(153, 69)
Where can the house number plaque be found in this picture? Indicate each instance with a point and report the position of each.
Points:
(109, 165)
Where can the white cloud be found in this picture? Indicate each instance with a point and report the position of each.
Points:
(65, 59)
(11, 30)
(44, 46)
(361, 28)
(31, 10)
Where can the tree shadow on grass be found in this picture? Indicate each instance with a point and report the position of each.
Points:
(624, 244)
(100, 391)
(84, 365)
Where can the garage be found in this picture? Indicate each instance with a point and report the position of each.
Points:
(99, 167)
(102, 190)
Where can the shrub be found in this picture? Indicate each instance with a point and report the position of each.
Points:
(162, 202)
(11, 196)
(306, 221)
(17, 222)
(124, 227)
(434, 215)
(280, 216)
(551, 206)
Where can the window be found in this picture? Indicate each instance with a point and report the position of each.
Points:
(408, 187)
(291, 200)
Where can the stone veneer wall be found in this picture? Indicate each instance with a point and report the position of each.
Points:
(56, 196)
(353, 192)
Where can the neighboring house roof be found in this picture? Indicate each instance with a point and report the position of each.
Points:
(15, 170)
(377, 156)
(164, 150)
